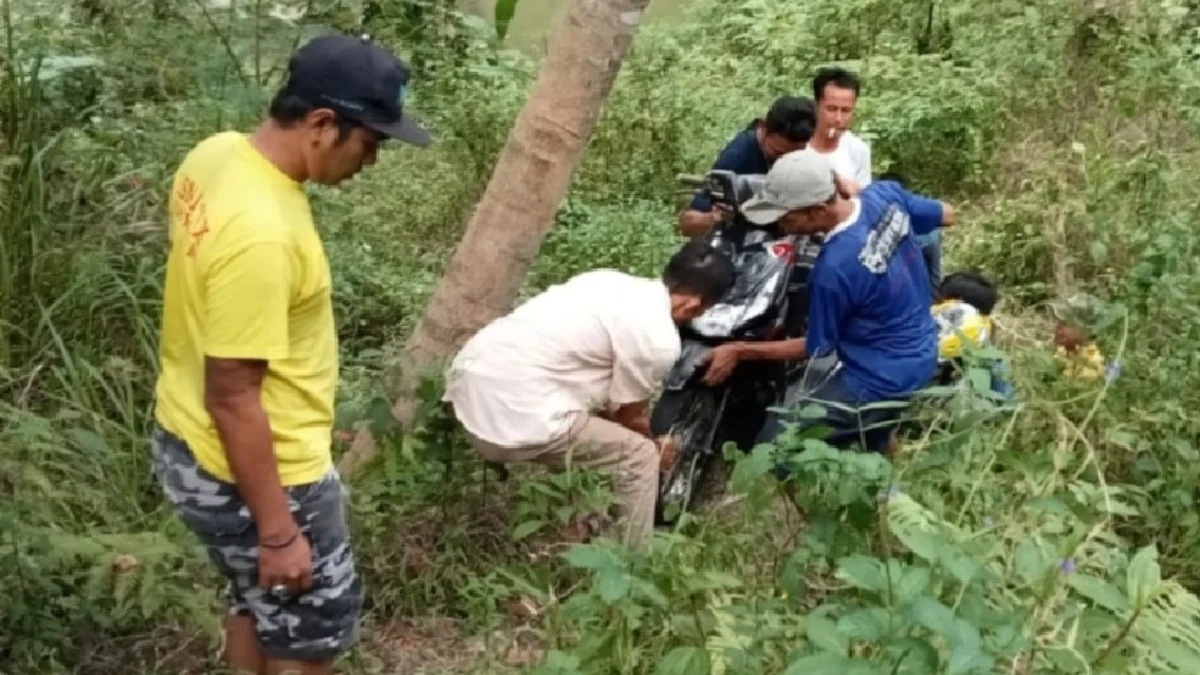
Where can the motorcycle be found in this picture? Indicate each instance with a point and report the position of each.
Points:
(772, 269)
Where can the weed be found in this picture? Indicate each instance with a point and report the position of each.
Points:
(1055, 535)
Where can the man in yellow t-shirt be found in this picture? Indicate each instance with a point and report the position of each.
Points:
(249, 358)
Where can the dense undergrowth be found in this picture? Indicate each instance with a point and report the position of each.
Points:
(1057, 536)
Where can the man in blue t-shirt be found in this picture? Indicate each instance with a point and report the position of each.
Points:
(869, 295)
(788, 126)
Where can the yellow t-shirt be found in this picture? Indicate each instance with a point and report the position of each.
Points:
(1086, 363)
(247, 277)
(956, 320)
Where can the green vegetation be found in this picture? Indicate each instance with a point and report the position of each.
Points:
(1059, 536)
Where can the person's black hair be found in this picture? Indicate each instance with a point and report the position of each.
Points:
(894, 177)
(793, 117)
(972, 288)
(287, 110)
(698, 268)
(838, 77)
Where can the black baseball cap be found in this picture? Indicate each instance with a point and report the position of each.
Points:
(360, 81)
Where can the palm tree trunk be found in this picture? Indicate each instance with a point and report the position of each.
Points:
(518, 207)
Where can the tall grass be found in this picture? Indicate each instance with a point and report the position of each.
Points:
(1064, 133)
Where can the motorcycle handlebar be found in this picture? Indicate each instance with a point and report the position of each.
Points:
(690, 180)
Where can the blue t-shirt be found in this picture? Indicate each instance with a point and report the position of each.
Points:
(743, 155)
(869, 295)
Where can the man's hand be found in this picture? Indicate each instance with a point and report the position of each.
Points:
(666, 453)
(949, 215)
(694, 223)
(846, 187)
(290, 566)
(721, 361)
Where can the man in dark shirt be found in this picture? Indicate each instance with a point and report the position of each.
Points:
(788, 126)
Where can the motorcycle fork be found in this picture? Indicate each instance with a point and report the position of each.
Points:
(718, 421)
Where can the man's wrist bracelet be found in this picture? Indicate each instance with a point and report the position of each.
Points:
(289, 542)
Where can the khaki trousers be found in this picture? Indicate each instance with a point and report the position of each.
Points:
(595, 443)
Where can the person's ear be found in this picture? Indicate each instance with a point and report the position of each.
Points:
(320, 122)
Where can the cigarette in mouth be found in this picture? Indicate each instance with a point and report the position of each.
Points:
(832, 133)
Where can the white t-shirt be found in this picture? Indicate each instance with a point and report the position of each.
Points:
(850, 159)
(602, 339)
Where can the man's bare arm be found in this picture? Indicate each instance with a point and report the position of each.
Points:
(634, 416)
(780, 350)
(232, 395)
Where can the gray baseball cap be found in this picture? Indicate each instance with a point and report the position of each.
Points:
(797, 180)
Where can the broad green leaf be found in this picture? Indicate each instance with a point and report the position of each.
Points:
(792, 579)
(824, 634)
(974, 608)
(1100, 592)
(963, 634)
(913, 583)
(587, 557)
(926, 545)
(89, 441)
(648, 591)
(613, 585)
(691, 626)
(819, 664)
(968, 659)
(863, 572)
(721, 580)
(980, 379)
(503, 15)
(869, 624)
(934, 616)
(559, 663)
(750, 468)
(1007, 641)
(1144, 576)
(527, 528)
(913, 656)
(684, 661)
(1030, 560)
(1050, 506)
(381, 420)
(959, 564)
(832, 664)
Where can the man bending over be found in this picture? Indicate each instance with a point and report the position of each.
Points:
(868, 298)
(569, 374)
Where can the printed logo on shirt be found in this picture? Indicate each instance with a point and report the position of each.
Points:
(187, 208)
(884, 239)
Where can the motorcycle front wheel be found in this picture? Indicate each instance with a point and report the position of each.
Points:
(697, 471)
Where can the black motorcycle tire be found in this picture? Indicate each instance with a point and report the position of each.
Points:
(698, 475)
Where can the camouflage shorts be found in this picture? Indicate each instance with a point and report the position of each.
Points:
(315, 626)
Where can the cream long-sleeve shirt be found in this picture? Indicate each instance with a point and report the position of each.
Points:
(602, 339)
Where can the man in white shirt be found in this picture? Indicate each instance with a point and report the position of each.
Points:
(568, 375)
(836, 92)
